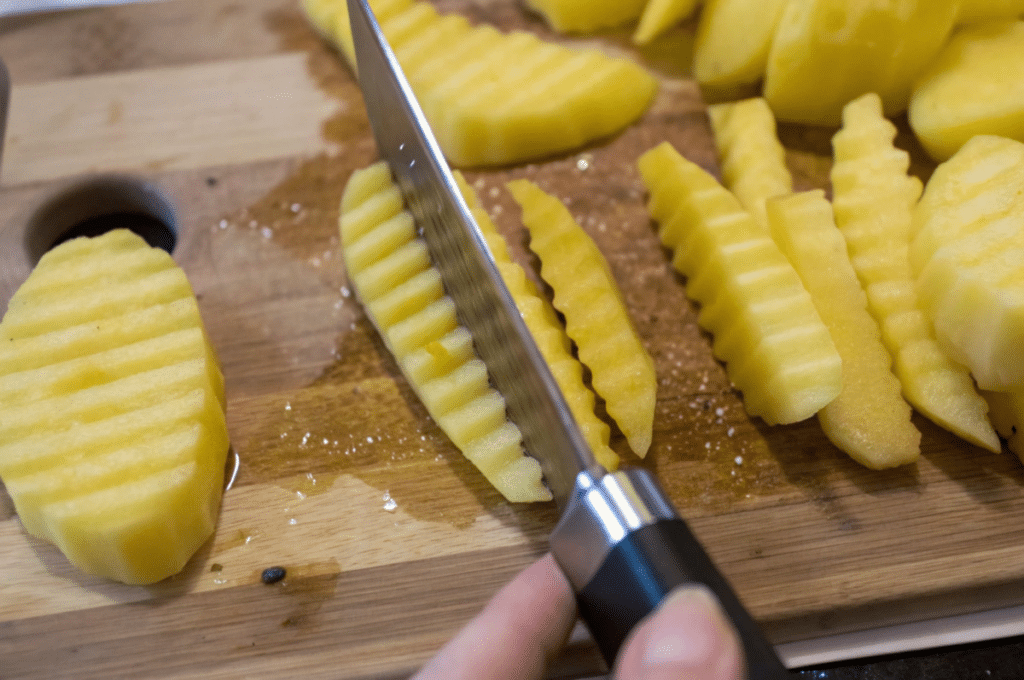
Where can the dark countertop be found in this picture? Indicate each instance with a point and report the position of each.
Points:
(994, 660)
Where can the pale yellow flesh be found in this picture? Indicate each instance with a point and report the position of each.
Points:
(974, 11)
(660, 15)
(402, 295)
(752, 158)
(547, 332)
(1007, 411)
(573, 16)
(765, 327)
(596, 318)
(112, 429)
(826, 54)
(873, 201)
(494, 98)
(973, 87)
(733, 41)
(966, 252)
(869, 420)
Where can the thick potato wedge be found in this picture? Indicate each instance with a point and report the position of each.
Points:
(829, 52)
(973, 87)
(966, 251)
(869, 420)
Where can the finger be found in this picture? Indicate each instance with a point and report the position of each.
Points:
(688, 637)
(515, 635)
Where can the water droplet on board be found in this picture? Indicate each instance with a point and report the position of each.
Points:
(389, 503)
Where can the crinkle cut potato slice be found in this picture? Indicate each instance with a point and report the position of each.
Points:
(776, 348)
(391, 271)
(753, 159)
(869, 420)
(596, 318)
(112, 430)
(873, 199)
(496, 98)
(547, 332)
(966, 251)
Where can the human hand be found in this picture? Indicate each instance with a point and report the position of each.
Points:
(528, 621)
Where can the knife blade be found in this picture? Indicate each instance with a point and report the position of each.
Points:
(619, 541)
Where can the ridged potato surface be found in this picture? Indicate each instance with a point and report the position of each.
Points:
(873, 200)
(596, 318)
(112, 430)
(765, 327)
(392, 273)
(496, 98)
(752, 158)
(966, 252)
(547, 332)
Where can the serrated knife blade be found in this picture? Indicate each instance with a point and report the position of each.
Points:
(619, 541)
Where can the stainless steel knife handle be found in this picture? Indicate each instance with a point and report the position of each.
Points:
(624, 549)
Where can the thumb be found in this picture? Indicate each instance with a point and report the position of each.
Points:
(688, 636)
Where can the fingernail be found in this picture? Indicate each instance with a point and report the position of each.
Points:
(692, 638)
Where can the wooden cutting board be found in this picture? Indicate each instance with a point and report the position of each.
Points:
(250, 126)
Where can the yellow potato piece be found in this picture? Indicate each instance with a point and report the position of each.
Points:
(869, 420)
(547, 332)
(973, 87)
(752, 157)
(112, 431)
(974, 11)
(596, 318)
(733, 41)
(828, 52)
(573, 16)
(873, 201)
(1007, 411)
(660, 15)
(765, 328)
(402, 293)
(966, 251)
(497, 98)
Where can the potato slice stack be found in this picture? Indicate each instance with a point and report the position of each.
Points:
(112, 429)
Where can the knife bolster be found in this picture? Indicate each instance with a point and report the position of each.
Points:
(602, 510)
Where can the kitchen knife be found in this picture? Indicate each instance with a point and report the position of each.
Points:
(619, 541)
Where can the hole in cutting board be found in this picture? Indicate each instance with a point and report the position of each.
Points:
(98, 205)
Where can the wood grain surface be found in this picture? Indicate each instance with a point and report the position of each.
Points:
(250, 125)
